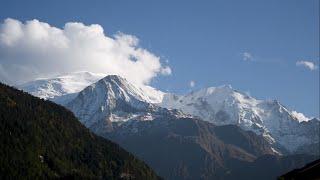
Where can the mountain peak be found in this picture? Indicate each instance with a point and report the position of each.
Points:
(113, 77)
(117, 81)
(119, 88)
(112, 99)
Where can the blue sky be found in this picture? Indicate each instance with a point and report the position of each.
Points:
(204, 41)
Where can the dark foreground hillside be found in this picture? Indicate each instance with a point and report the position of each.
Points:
(40, 139)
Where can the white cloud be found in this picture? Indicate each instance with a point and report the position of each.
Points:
(192, 84)
(36, 49)
(308, 64)
(246, 56)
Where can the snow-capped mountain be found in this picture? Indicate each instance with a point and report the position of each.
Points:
(114, 100)
(49, 88)
(224, 105)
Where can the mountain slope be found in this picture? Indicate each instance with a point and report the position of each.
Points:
(43, 140)
(224, 105)
(188, 148)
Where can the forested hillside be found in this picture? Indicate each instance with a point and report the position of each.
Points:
(40, 139)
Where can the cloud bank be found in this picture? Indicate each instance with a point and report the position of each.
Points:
(308, 64)
(36, 49)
